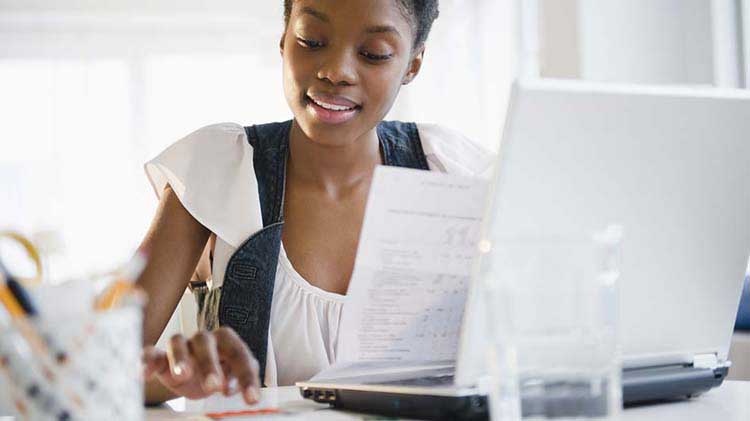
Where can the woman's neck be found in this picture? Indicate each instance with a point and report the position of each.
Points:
(333, 169)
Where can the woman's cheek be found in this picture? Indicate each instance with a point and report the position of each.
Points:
(385, 89)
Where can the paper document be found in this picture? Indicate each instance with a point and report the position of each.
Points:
(411, 275)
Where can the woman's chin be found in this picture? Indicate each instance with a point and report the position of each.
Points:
(325, 134)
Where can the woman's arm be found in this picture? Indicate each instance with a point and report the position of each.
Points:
(174, 244)
(208, 362)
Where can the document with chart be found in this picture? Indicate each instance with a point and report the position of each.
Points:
(411, 275)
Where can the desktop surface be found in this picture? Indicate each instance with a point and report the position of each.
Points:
(730, 402)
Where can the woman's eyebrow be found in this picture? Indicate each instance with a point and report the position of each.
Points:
(380, 29)
(312, 12)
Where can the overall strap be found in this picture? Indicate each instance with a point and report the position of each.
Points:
(270, 144)
(401, 145)
(247, 292)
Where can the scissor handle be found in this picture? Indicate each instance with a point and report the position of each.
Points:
(31, 251)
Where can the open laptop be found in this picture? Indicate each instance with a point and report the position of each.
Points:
(672, 166)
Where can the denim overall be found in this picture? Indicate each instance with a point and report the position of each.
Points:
(243, 302)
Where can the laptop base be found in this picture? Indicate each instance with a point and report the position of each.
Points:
(658, 384)
(639, 387)
(426, 407)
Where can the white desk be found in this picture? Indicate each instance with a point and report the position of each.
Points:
(730, 402)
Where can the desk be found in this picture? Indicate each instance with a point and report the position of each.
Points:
(730, 402)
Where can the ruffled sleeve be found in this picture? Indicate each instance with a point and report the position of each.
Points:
(211, 171)
(451, 152)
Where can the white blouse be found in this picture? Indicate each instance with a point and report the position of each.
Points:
(211, 172)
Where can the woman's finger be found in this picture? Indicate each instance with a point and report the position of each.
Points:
(206, 359)
(231, 386)
(178, 356)
(154, 362)
(244, 367)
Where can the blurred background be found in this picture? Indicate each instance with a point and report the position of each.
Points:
(91, 89)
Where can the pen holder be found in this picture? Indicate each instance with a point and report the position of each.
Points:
(83, 367)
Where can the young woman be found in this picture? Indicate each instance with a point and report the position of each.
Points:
(270, 214)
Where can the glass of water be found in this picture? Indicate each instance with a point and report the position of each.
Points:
(553, 309)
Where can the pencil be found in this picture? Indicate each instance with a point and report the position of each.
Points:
(123, 285)
(10, 302)
(243, 412)
(22, 297)
(29, 309)
(17, 314)
(7, 296)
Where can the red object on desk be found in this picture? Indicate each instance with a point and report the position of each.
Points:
(242, 413)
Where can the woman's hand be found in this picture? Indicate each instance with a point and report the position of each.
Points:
(209, 362)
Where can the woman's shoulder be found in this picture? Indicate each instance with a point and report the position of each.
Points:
(448, 150)
(215, 135)
(211, 171)
(214, 143)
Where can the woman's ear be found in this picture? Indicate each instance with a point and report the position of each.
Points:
(281, 44)
(414, 65)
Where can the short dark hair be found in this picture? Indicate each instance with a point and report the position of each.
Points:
(421, 14)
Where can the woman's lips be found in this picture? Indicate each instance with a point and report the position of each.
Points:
(330, 116)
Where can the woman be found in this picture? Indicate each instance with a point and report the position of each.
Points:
(276, 209)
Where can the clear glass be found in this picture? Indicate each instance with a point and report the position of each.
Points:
(553, 308)
(85, 367)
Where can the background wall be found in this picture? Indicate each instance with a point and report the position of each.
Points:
(93, 89)
(683, 42)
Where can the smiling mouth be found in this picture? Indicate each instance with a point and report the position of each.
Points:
(331, 110)
(332, 107)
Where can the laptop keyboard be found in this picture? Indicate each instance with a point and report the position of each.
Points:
(446, 380)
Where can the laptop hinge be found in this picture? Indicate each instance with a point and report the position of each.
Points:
(710, 361)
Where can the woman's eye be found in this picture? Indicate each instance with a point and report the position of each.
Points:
(310, 43)
(376, 57)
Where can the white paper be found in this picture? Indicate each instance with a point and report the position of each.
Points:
(411, 276)
(383, 371)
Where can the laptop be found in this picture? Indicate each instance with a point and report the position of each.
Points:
(672, 166)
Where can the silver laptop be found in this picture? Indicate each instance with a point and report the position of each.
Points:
(671, 165)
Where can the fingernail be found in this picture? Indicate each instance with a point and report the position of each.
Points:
(179, 369)
(232, 386)
(252, 394)
(211, 383)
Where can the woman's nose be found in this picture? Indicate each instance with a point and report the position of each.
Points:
(339, 69)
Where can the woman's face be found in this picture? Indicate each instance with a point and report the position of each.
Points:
(344, 63)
